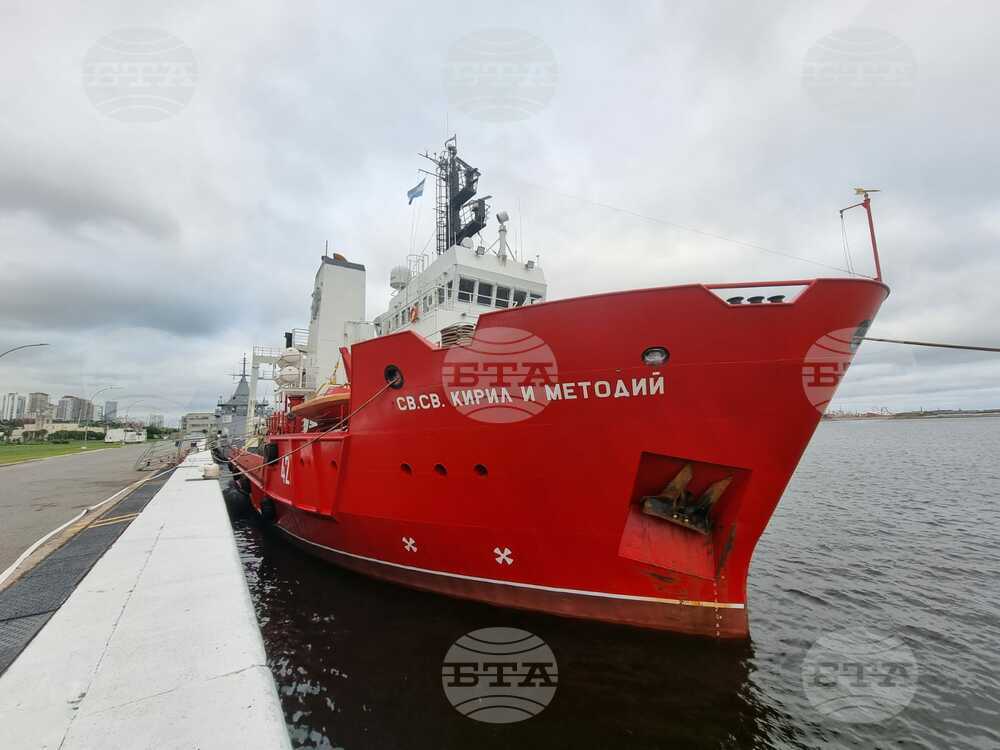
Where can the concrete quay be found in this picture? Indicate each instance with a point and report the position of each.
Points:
(157, 647)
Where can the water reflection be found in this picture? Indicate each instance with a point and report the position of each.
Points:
(886, 524)
(358, 665)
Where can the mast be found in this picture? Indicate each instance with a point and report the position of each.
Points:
(458, 216)
(867, 204)
(441, 206)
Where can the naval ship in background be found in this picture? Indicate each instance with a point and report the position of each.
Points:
(614, 456)
(231, 417)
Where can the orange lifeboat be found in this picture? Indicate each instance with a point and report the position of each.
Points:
(329, 406)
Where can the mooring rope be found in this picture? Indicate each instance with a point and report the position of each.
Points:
(389, 384)
(929, 343)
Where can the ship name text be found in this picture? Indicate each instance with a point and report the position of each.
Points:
(537, 393)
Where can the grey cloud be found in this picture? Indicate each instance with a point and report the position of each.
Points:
(64, 302)
(173, 247)
(68, 195)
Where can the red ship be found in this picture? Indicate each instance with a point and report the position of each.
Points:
(613, 457)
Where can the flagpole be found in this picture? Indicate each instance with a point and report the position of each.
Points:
(416, 223)
(413, 222)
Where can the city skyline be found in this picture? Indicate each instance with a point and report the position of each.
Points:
(68, 408)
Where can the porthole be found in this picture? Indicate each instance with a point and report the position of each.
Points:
(393, 376)
(480, 470)
(440, 469)
(406, 469)
(655, 356)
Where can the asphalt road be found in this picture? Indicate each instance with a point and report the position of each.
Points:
(37, 497)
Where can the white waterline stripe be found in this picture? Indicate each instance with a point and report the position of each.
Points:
(553, 589)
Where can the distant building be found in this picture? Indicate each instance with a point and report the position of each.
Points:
(110, 411)
(155, 420)
(200, 421)
(74, 409)
(64, 409)
(9, 406)
(38, 404)
(22, 407)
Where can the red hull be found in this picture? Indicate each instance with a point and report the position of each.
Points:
(545, 512)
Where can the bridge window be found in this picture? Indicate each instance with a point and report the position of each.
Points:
(466, 288)
(535, 298)
(503, 296)
(519, 297)
(440, 294)
(485, 296)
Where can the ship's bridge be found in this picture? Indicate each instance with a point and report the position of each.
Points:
(455, 288)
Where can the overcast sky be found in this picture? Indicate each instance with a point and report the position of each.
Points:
(152, 254)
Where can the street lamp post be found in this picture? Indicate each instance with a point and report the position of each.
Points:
(18, 348)
(23, 346)
(91, 402)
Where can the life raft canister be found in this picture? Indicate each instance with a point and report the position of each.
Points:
(414, 313)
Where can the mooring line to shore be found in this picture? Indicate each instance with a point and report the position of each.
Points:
(229, 475)
(28, 552)
(936, 345)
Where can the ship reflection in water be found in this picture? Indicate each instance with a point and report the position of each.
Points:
(358, 663)
(860, 539)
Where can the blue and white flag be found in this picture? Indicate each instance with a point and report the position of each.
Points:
(416, 191)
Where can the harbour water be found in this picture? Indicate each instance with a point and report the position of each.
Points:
(890, 525)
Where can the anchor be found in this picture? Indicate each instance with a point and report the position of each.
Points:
(676, 505)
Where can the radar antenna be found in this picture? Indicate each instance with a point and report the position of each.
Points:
(456, 181)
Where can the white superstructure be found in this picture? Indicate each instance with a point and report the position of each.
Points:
(336, 319)
(458, 286)
(439, 297)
